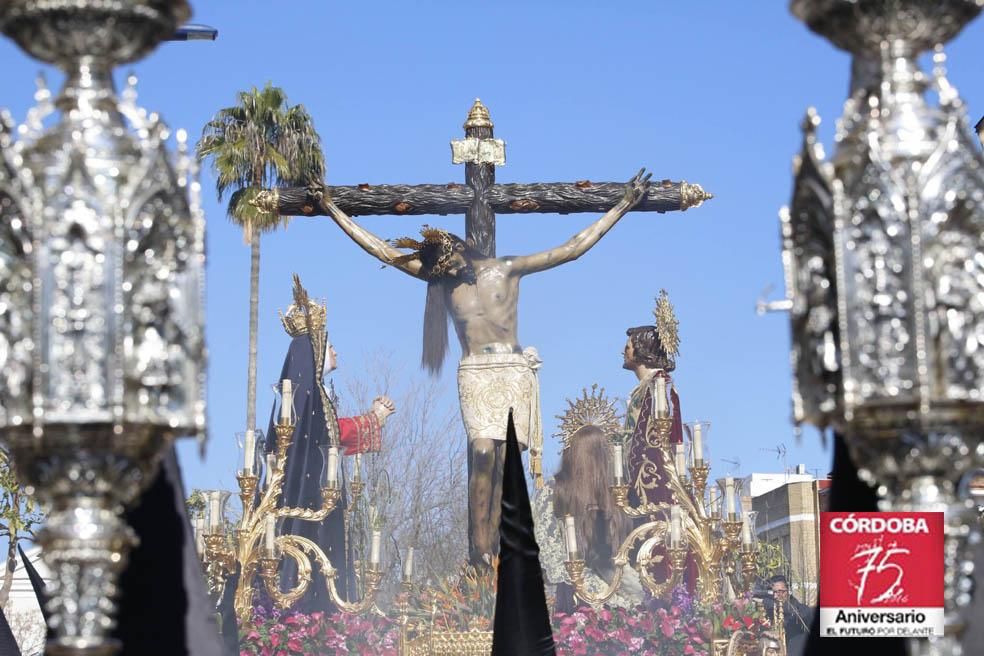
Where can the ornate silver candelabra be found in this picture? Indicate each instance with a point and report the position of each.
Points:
(883, 268)
(101, 273)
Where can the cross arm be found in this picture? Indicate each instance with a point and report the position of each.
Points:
(549, 198)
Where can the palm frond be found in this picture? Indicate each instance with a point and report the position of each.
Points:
(261, 141)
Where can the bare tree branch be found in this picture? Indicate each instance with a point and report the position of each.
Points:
(424, 458)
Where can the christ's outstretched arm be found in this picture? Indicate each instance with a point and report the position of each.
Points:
(369, 242)
(580, 243)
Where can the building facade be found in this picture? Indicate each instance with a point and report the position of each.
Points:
(788, 507)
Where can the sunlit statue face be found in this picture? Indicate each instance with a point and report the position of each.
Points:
(331, 358)
(628, 355)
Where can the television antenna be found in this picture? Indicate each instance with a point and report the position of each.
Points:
(780, 451)
(735, 464)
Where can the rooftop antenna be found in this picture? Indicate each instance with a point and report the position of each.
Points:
(735, 464)
(780, 451)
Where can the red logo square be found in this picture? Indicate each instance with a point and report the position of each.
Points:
(881, 560)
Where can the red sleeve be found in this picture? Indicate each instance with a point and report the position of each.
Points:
(361, 434)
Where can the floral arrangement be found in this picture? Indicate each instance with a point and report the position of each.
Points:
(461, 602)
(680, 628)
(273, 632)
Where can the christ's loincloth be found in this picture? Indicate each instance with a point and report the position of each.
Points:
(493, 382)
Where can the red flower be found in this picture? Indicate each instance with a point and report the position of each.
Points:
(295, 645)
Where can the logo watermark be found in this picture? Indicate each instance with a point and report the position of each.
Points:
(881, 574)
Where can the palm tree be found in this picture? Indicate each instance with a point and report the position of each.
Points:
(259, 142)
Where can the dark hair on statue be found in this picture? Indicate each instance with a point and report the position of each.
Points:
(435, 341)
(648, 350)
(581, 490)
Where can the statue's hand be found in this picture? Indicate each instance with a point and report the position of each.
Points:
(383, 407)
(318, 194)
(636, 188)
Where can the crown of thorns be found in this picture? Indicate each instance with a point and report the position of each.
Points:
(434, 239)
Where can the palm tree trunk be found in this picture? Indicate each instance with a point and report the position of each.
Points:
(8, 572)
(254, 311)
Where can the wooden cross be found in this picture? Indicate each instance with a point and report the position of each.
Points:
(480, 198)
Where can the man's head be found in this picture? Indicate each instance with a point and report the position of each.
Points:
(980, 130)
(780, 587)
(643, 348)
(443, 256)
(446, 260)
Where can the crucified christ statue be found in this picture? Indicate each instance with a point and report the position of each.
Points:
(495, 374)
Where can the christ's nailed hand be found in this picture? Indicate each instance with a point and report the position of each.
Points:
(636, 188)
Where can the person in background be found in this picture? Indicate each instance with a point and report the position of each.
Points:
(796, 615)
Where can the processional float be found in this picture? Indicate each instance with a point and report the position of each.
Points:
(884, 275)
(101, 275)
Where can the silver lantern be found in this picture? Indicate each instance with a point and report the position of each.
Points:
(101, 287)
(885, 273)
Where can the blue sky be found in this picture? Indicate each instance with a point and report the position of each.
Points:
(709, 92)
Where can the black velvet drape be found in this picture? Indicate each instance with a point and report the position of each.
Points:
(522, 619)
(164, 606)
(8, 644)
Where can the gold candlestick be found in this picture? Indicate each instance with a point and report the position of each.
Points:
(247, 488)
(749, 567)
(248, 549)
(698, 476)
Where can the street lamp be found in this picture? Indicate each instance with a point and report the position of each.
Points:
(101, 321)
(881, 248)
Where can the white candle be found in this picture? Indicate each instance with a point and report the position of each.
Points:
(271, 535)
(200, 534)
(571, 534)
(676, 526)
(408, 565)
(698, 443)
(214, 511)
(729, 495)
(617, 463)
(271, 465)
(662, 410)
(377, 537)
(332, 467)
(714, 499)
(681, 461)
(249, 451)
(746, 532)
(287, 400)
(358, 467)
